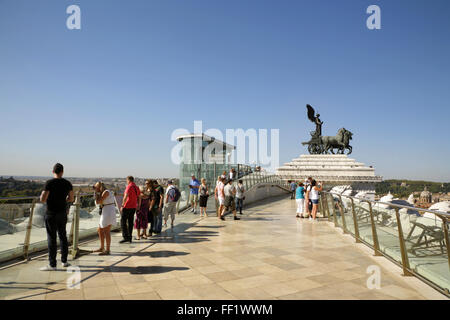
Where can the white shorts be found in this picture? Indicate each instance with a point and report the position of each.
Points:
(300, 205)
(221, 201)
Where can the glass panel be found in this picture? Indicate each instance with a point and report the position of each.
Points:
(347, 208)
(426, 247)
(38, 237)
(387, 230)
(14, 217)
(332, 208)
(362, 213)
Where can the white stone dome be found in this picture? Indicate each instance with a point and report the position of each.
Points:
(387, 198)
(425, 193)
(443, 206)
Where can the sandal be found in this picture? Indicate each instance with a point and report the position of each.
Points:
(98, 250)
(104, 253)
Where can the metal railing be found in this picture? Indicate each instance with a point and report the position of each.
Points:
(24, 232)
(416, 239)
(251, 179)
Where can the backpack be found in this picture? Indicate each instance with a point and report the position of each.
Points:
(174, 194)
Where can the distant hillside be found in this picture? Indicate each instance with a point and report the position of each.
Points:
(396, 188)
(9, 187)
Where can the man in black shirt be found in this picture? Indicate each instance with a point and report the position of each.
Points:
(57, 193)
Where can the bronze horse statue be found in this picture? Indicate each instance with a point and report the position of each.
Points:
(340, 141)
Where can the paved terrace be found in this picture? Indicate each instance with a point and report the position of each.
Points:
(269, 254)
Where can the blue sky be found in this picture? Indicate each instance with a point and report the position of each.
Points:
(105, 99)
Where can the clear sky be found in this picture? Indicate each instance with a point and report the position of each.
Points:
(105, 99)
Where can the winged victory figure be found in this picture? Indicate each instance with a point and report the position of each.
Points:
(315, 119)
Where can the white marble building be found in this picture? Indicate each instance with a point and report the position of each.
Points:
(332, 170)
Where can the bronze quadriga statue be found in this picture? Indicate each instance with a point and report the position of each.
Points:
(324, 145)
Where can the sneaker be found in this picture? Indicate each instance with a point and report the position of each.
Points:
(310, 219)
(65, 264)
(192, 210)
(222, 218)
(236, 218)
(48, 268)
(123, 241)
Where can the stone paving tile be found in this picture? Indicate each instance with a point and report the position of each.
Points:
(269, 254)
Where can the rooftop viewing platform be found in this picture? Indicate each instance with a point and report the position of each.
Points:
(269, 254)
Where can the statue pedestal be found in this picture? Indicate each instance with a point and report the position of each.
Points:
(332, 170)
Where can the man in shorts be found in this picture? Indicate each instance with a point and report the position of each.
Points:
(194, 185)
(170, 207)
(230, 192)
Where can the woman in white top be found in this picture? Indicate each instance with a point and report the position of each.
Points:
(105, 199)
(314, 196)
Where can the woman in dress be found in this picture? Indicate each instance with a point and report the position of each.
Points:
(106, 201)
(204, 194)
(141, 222)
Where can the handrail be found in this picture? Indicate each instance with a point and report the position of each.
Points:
(407, 245)
(444, 214)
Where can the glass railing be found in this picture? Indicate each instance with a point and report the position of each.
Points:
(22, 225)
(250, 178)
(416, 239)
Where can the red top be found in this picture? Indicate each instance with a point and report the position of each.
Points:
(133, 192)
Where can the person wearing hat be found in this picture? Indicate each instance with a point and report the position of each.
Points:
(194, 185)
(171, 198)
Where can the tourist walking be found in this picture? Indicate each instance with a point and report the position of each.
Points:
(141, 222)
(159, 190)
(308, 203)
(172, 197)
(107, 208)
(219, 194)
(129, 205)
(230, 192)
(58, 192)
(194, 185)
(240, 190)
(315, 189)
(204, 194)
(300, 199)
(293, 187)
